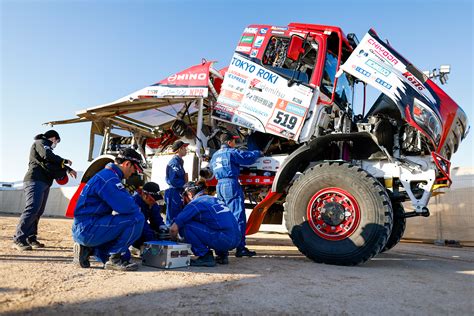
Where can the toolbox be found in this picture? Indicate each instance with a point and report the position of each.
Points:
(166, 254)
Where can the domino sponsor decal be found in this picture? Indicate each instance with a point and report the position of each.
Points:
(383, 83)
(362, 71)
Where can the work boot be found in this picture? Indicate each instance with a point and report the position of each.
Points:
(204, 261)
(21, 245)
(244, 252)
(81, 255)
(116, 263)
(135, 252)
(36, 244)
(222, 259)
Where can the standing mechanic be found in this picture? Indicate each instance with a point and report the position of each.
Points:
(225, 164)
(176, 177)
(44, 166)
(206, 223)
(106, 218)
(146, 199)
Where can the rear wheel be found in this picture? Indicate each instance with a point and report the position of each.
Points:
(399, 224)
(336, 213)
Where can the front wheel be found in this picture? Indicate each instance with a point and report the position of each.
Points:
(399, 224)
(337, 213)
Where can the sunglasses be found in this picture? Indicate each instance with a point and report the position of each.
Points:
(153, 195)
(137, 167)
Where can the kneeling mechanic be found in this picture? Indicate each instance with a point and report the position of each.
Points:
(206, 223)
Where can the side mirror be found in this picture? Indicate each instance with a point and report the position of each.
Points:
(296, 48)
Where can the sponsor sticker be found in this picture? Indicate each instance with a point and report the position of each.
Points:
(255, 85)
(279, 28)
(260, 100)
(380, 50)
(251, 30)
(243, 122)
(293, 108)
(383, 83)
(278, 32)
(243, 49)
(413, 80)
(252, 108)
(258, 41)
(246, 39)
(377, 67)
(232, 95)
(362, 71)
(296, 100)
(263, 30)
(254, 53)
(119, 186)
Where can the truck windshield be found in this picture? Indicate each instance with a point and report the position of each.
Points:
(275, 59)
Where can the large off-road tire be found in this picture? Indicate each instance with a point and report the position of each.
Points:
(399, 224)
(337, 213)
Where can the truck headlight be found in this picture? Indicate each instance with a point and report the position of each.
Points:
(427, 119)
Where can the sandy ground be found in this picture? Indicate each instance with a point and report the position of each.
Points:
(410, 279)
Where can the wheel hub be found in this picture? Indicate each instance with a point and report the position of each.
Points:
(333, 214)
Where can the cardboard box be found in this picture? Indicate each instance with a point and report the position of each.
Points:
(166, 254)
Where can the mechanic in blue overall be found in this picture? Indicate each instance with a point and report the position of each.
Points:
(44, 166)
(206, 223)
(176, 177)
(146, 199)
(106, 218)
(225, 164)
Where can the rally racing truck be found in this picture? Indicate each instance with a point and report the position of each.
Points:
(340, 179)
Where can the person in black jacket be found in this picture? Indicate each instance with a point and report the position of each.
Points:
(44, 166)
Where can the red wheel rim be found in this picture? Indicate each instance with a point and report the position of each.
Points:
(333, 214)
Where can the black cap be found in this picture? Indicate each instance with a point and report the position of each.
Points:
(225, 137)
(152, 189)
(177, 145)
(51, 133)
(132, 156)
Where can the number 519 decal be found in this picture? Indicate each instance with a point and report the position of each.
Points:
(285, 120)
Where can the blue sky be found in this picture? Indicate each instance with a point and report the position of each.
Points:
(58, 57)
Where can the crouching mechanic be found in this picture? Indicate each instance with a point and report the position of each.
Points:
(106, 218)
(206, 223)
(147, 199)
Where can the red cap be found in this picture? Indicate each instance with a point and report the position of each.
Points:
(62, 181)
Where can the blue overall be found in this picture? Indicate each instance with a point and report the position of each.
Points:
(206, 223)
(175, 177)
(153, 221)
(96, 226)
(225, 165)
